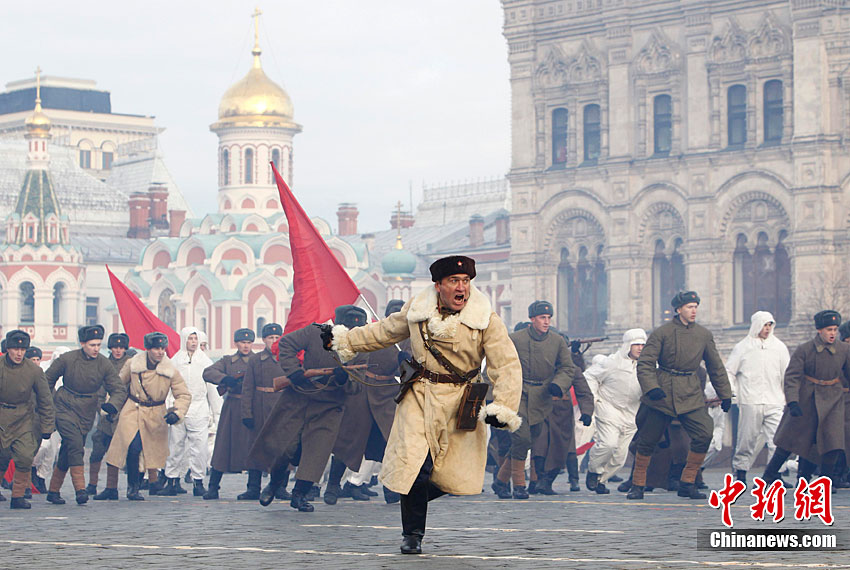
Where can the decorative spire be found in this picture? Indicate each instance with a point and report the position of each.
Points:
(398, 226)
(256, 51)
(38, 125)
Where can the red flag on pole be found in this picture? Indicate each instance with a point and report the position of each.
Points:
(137, 319)
(320, 283)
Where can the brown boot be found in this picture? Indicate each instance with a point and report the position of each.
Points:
(56, 481)
(689, 474)
(78, 478)
(639, 476)
(20, 483)
(111, 491)
(518, 478)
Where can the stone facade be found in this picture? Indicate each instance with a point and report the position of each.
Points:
(660, 145)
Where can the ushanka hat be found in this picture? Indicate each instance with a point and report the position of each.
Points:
(452, 265)
(93, 332)
(155, 340)
(272, 329)
(350, 316)
(118, 340)
(538, 308)
(393, 306)
(828, 318)
(683, 298)
(244, 334)
(17, 339)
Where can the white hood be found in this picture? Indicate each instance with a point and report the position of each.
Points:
(192, 372)
(630, 337)
(756, 367)
(757, 322)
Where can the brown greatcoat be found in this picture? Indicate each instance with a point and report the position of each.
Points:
(545, 360)
(258, 404)
(425, 420)
(557, 439)
(367, 408)
(147, 385)
(20, 385)
(310, 416)
(821, 427)
(233, 439)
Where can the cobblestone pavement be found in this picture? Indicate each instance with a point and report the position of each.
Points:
(576, 530)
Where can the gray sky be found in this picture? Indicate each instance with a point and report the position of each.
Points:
(388, 91)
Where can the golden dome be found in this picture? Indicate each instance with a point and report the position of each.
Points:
(38, 124)
(256, 98)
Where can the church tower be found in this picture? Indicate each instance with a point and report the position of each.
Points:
(255, 126)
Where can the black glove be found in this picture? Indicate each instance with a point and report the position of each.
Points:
(725, 404)
(171, 418)
(46, 435)
(110, 409)
(300, 380)
(229, 382)
(656, 394)
(575, 346)
(339, 376)
(795, 409)
(585, 419)
(493, 421)
(248, 423)
(327, 336)
(402, 356)
(555, 390)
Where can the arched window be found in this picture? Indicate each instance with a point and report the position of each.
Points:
(736, 110)
(276, 158)
(762, 278)
(261, 322)
(58, 303)
(668, 277)
(662, 124)
(559, 137)
(27, 291)
(591, 133)
(167, 312)
(773, 112)
(225, 167)
(582, 293)
(249, 166)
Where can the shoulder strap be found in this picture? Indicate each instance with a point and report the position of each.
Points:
(426, 340)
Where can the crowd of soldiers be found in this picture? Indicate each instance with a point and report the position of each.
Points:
(331, 404)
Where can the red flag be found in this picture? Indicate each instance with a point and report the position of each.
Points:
(320, 283)
(137, 319)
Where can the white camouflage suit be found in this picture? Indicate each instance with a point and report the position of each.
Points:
(756, 369)
(187, 440)
(616, 391)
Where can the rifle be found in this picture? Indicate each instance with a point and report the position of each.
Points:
(281, 382)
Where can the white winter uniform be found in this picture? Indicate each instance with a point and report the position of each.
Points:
(719, 418)
(188, 440)
(617, 393)
(756, 369)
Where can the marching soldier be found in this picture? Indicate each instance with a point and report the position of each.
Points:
(667, 372)
(20, 380)
(233, 439)
(547, 371)
(83, 373)
(813, 423)
(144, 420)
(756, 369)
(258, 401)
(451, 327)
(119, 353)
(309, 412)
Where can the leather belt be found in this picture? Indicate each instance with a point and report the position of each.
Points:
(675, 372)
(822, 382)
(437, 378)
(234, 394)
(266, 389)
(374, 376)
(6, 406)
(533, 382)
(146, 403)
(78, 394)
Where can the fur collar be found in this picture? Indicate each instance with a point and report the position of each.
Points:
(139, 364)
(475, 315)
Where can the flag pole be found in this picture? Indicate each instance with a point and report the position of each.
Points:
(374, 314)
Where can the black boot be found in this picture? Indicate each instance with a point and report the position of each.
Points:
(771, 471)
(592, 481)
(276, 479)
(28, 493)
(358, 492)
(520, 492)
(19, 503)
(601, 489)
(39, 484)
(313, 493)
(178, 487)
(332, 492)
(282, 494)
(572, 471)
(636, 492)
(391, 497)
(741, 475)
(689, 491)
(213, 485)
(625, 486)
(198, 488)
(169, 490)
(91, 489)
(187, 478)
(133, 478)
(411, 544)
(364, 488)
(52, 497)
(107, 495)
(539, 469)
(81, 496)
(299, 497)
(544, 487)
(252, 493)
(414, 512)
(502, 489)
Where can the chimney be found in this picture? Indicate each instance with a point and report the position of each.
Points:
(176, 217)
(476, 231)
(140, 209)
(347, 217)
(403, 219)
(159, 206)
(503, 229)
